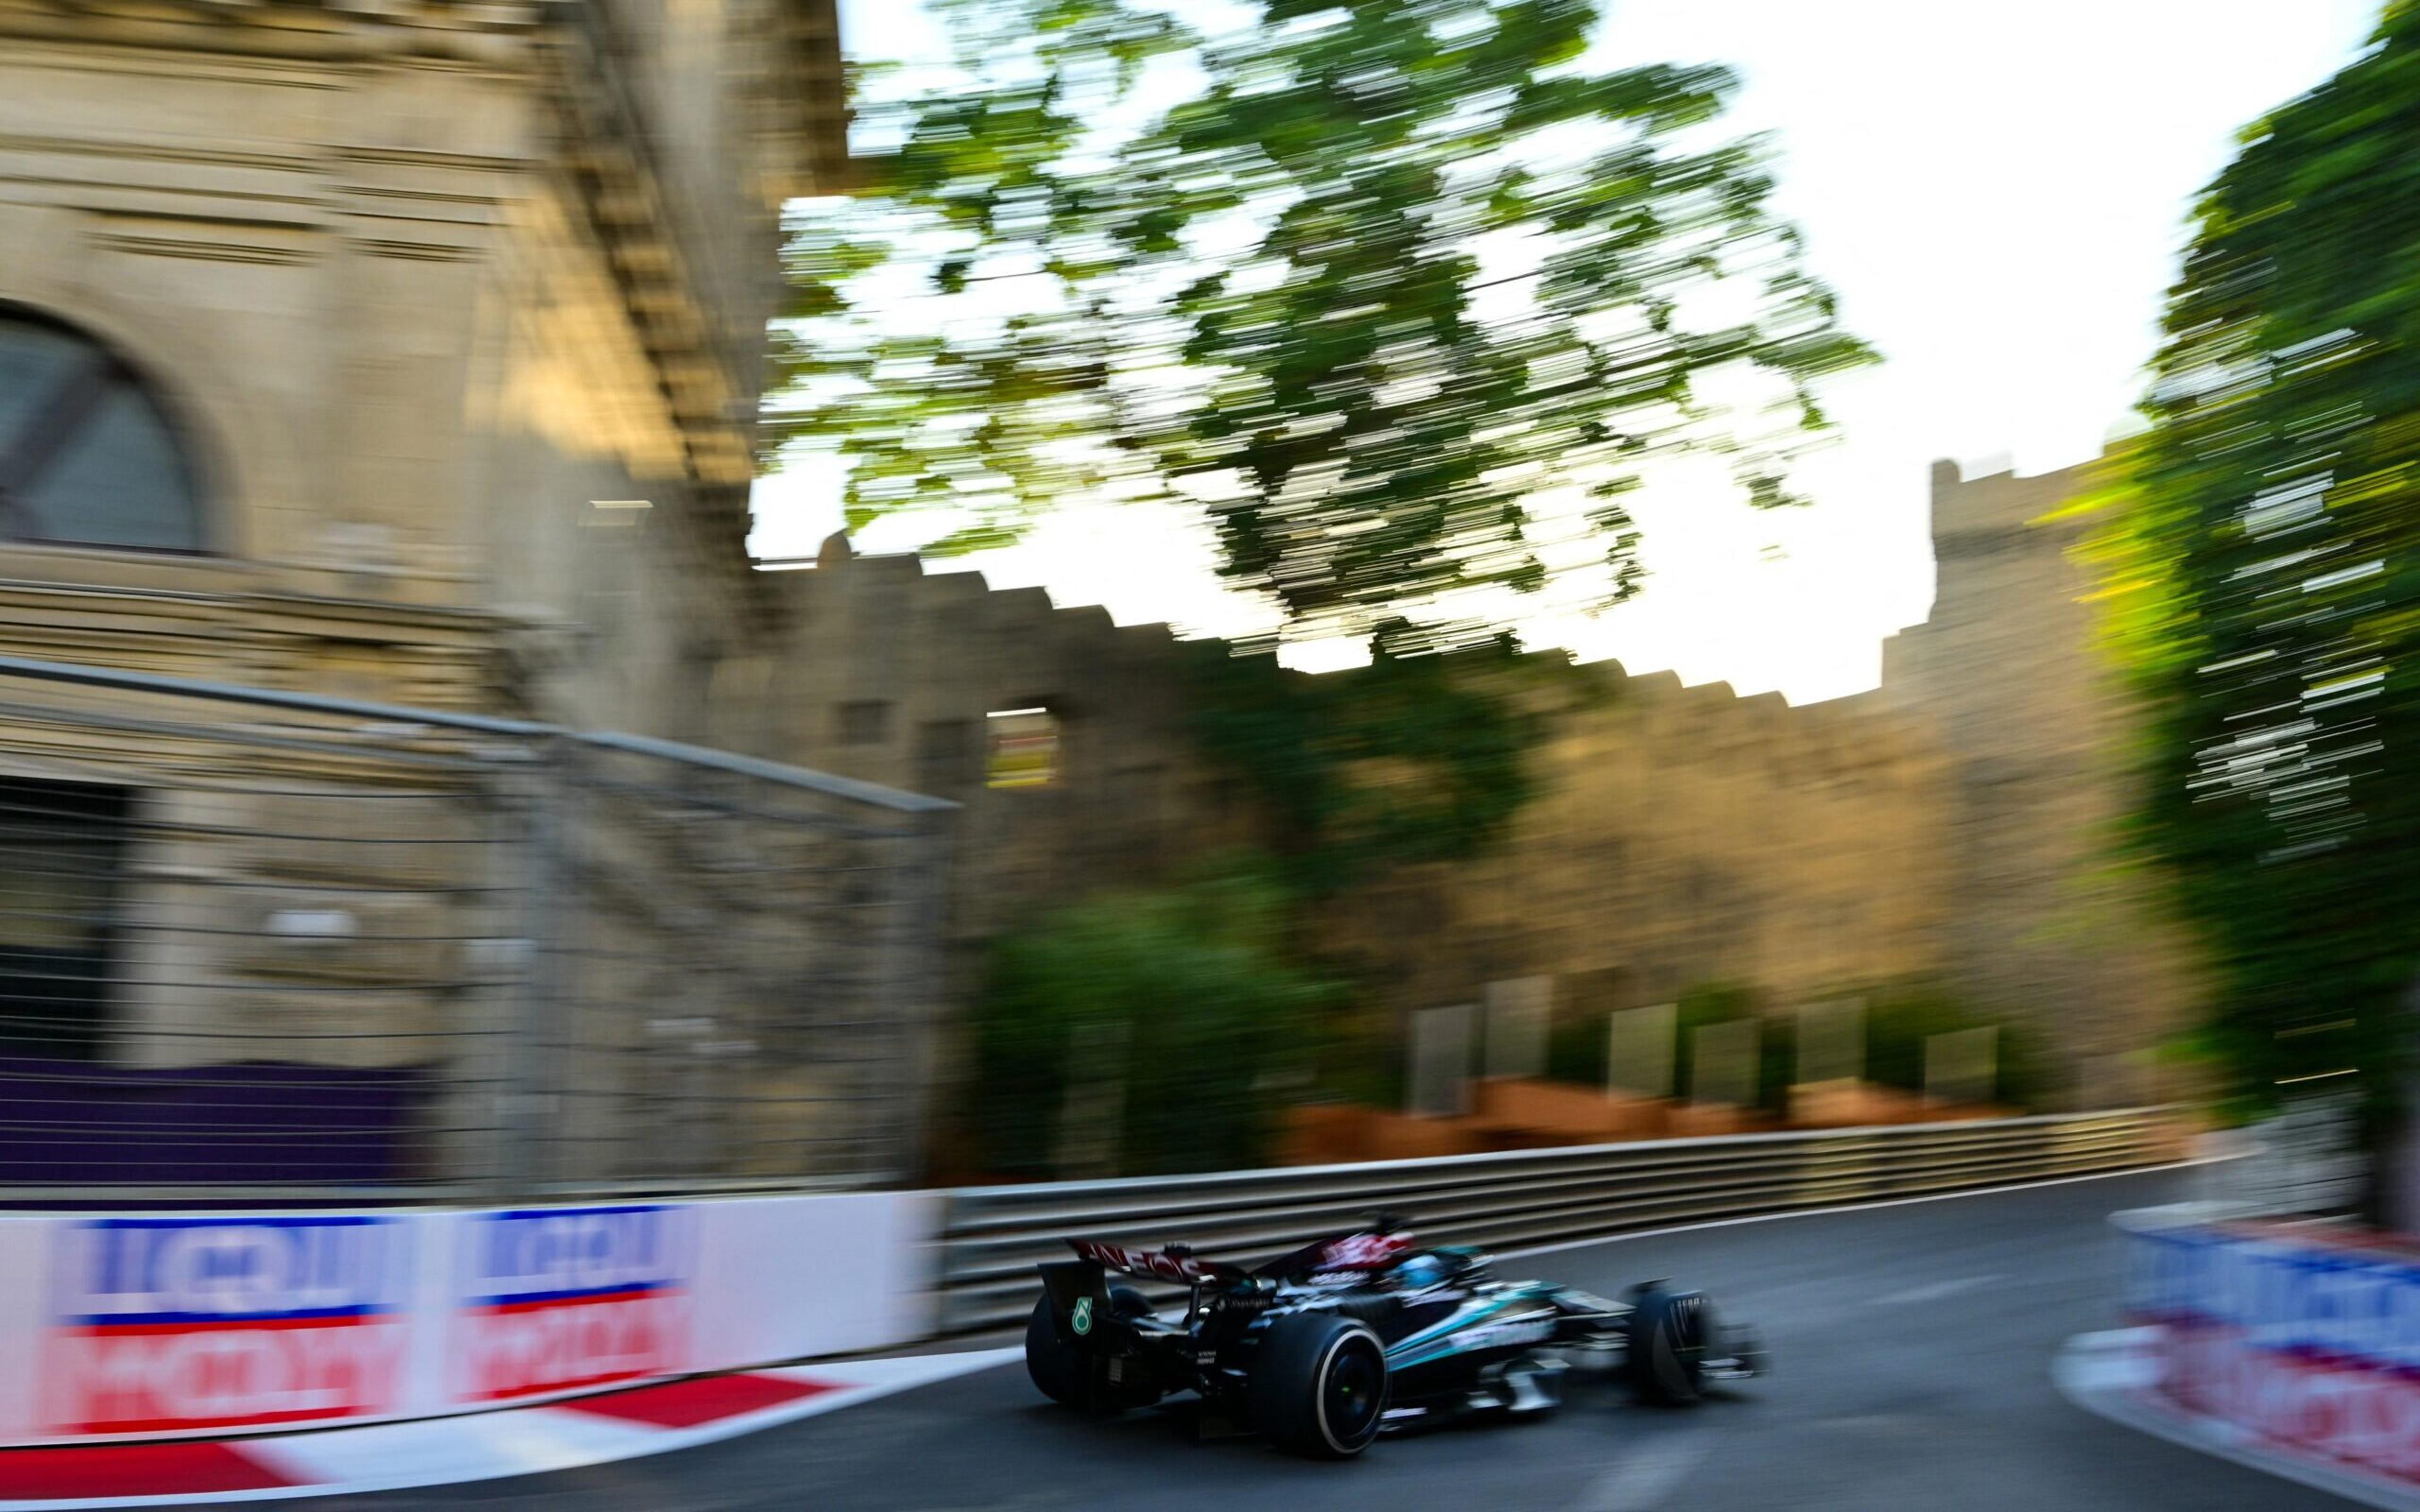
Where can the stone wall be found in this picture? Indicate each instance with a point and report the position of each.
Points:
(892, 675)
(1950, 827)
(2048, 929)
(1682, 836)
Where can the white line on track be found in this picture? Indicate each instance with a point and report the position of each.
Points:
(1938, 1291)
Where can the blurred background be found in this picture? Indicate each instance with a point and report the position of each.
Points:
(451, 398)
(621, 599)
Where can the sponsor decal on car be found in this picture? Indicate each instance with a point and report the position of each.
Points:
(557, 1299)
(1493, 1335)
(1364, 1252)
(160, 1324)
(1146, 1262)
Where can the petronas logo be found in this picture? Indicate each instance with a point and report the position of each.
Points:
(1082, 1321)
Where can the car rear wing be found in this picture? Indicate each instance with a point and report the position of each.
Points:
(1082, 1308)
(1362, 1250)
(1175, 1263)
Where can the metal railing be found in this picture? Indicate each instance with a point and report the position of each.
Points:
(261, 945)
(992, 1237)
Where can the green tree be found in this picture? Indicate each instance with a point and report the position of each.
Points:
(1413, 758)
(1162, 1027)
(2260, 560)
(1398, 291)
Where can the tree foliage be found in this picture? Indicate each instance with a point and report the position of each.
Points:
(1413, 758)
(1398, 291)
(2260, 564)
(1173, 1009)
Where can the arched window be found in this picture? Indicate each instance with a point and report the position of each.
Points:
(87, 456)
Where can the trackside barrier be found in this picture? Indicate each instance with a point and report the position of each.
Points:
(200, 1323)
(183, 1325)
(992, 1237)
(2303, 1336)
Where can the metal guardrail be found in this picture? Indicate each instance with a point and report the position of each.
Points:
(992, 1237)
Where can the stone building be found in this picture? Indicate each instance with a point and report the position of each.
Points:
(405, 352)
(432, 336)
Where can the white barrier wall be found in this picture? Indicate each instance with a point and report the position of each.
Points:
(198, 1323)
(2309, 1343)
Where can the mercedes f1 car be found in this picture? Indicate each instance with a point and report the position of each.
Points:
(1324, 1348)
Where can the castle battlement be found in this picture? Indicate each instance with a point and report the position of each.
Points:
(2000, 504)
(1939, 829)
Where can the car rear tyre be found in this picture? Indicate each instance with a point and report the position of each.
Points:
(1669, 1332)
(1319, 1387)
(1064, 1371)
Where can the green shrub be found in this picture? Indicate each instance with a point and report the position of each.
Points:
(1175, 1002)
(1899, 1019)
(1576, 1050)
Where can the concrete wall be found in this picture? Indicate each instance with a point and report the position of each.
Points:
(151, 1327)
(1679, 834)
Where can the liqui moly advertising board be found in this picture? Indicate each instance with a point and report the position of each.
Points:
(561, 1299)
(171, 1324)
(2312, 1345)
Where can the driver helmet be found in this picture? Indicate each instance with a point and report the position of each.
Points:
(1420, 1272)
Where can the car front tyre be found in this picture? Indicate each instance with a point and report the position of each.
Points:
(1668, 1336)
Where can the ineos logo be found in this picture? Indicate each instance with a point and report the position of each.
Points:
(1363, 1251)
(1140, 1261)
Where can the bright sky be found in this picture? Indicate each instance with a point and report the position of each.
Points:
(1998, 193)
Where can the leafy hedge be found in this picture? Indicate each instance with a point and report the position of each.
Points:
(1174, 1003)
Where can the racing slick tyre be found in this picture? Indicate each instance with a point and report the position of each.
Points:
(1062, 1369)
(1319, 1387)
(1669, 1332)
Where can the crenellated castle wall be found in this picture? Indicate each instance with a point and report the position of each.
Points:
(1949, 826)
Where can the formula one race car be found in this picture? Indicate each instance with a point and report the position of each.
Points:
(1322, 1348)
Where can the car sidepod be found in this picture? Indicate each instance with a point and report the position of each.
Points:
(1483, 1353)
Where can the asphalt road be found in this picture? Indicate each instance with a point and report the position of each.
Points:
(1913, 1345)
